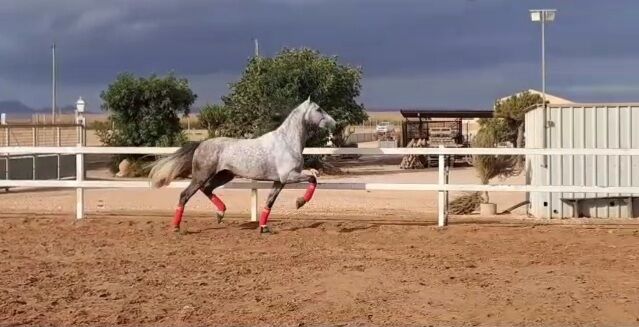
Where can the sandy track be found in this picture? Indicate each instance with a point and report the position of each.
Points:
(132, 271)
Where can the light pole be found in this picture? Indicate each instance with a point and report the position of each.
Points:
(80, 106)
(543, 16)
(53, 86)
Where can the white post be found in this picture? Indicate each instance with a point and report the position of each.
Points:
(79, 169)
(79, 192)
(441, 208)
(543, 57)
(254, 204)
(34, 136)
(6, 143)
(59, 144)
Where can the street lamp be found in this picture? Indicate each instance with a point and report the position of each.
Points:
(543, 16)
(80, 105)
(80, 173)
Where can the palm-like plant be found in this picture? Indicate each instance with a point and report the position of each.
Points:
(491, 166)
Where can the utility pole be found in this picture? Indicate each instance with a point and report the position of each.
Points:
(53, 91)
(257, 47)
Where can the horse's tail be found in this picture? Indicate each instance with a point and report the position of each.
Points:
(179, 164)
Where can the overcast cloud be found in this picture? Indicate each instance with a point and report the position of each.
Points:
(453, 53)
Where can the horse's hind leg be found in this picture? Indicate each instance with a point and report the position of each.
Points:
(184, 198)
(216, 181)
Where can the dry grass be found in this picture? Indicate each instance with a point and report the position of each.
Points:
(465, 204)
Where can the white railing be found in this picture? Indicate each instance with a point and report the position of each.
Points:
(442, 187)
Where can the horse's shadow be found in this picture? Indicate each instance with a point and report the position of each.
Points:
(199, 231)
(311, 226)
(254, 225)
(354, 229)
(249, 225)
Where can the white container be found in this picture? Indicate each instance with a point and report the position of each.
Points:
(598, 126)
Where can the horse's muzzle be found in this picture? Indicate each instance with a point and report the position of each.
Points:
(328, 123)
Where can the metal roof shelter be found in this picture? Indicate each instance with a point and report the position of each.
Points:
(438, 124)
(446, 113)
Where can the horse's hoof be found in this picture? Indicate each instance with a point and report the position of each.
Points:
(300, 202)
(220, 216)
(265, 230)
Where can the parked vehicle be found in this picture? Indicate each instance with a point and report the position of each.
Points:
(384, 127)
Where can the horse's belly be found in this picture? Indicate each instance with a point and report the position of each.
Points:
(250, 165)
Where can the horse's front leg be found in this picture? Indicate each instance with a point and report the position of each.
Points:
(295, 177)
(266, 212)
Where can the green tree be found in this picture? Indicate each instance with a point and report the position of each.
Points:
(214, 118)
(512, 111)
(499, 129)
(270, 87)
(145, 111)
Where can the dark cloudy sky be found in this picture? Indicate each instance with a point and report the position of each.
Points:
(452, 53)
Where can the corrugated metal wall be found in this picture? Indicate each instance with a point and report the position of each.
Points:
(582, 126)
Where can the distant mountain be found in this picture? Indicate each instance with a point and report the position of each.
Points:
(68, 109)
(17, 107)
(14, 107)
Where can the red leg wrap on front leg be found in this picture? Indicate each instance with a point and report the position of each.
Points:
(218, 203)
(177, 219)
(309, 192)
(264, 217)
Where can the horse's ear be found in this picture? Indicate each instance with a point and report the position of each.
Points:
(309, 99)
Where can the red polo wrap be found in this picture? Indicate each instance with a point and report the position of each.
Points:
(177, 219)
(309, 191)
(218, 203)
(264, 216)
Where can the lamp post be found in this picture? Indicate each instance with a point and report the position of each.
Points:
(53, 86)
(80, 105)
(543, 16)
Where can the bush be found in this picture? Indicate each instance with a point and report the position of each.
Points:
(144, 112)
(215, 119)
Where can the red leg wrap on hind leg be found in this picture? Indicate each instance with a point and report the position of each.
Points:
(218, 203)
(309, 192)
(177, 219)
(264, 216)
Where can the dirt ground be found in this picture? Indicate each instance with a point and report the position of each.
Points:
(132, 271)
(346, 258)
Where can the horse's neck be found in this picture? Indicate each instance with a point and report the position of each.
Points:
(293, 131)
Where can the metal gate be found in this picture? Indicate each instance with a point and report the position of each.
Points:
(40, 166)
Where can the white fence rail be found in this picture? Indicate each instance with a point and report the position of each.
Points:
(442, 187)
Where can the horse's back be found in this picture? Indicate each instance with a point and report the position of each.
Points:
(244, 157)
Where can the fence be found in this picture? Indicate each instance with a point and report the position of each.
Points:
(46, 166)
(442, 187)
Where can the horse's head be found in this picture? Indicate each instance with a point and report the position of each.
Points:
(316, 116)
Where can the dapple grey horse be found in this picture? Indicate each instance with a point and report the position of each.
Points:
(275, 156)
